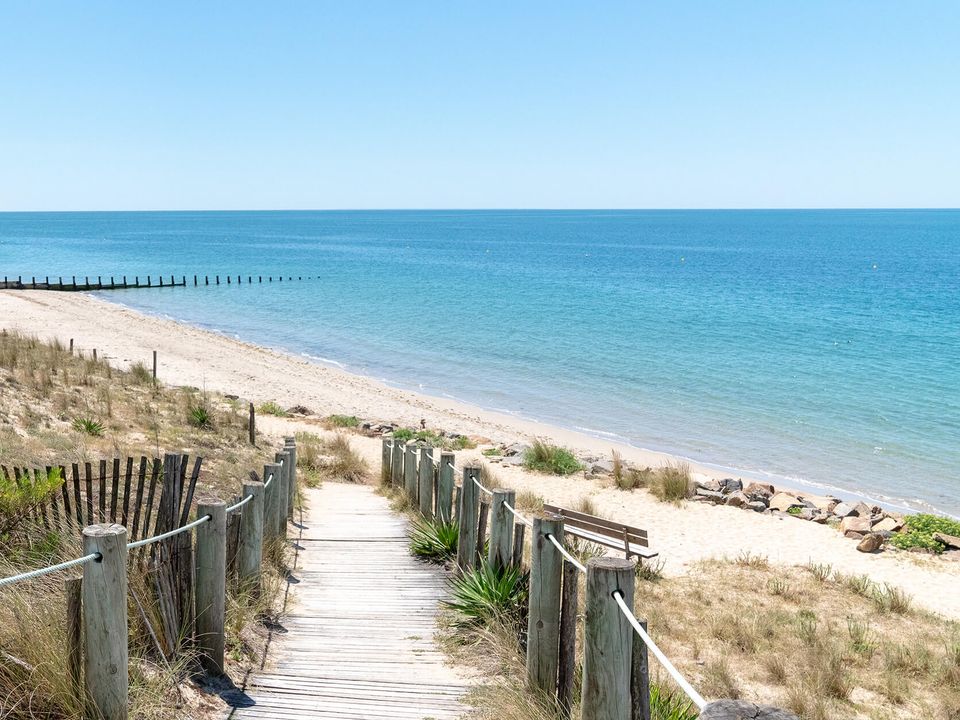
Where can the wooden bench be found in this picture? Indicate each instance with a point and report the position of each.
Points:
(633, 541)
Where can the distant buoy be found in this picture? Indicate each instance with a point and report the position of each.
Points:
(683, 259)
(874, 266)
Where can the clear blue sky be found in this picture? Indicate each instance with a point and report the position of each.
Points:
(177, 105)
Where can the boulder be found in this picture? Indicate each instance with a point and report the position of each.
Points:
(711, 485)
(602, 467)
(887, 523)
(756, 506)
(842, 510)
(759, 491)
(712, 495)
(738, 499)
(515, 449)
(855, 524)
(853, 535)
(784, 501)
(951, 541)
(804, 514)
(821, 502)
(742, 710)
(872, 542)
(729, 485)
(862, 509)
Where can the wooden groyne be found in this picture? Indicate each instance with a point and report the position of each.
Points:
(161, 281)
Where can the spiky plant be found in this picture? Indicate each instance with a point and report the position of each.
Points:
(199, 416)
(434, 540)
(88, 426)
(486, 593)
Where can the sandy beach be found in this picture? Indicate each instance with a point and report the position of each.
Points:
(682, 534)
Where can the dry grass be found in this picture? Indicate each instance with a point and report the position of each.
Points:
(330, 458)
(671, 483)
(823, 646)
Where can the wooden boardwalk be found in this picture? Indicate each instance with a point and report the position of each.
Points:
(359, 642)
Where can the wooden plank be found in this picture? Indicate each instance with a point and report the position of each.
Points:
(65, 494)
(596, 524)
(115, 490)
(127, 480)
(188, 501)
(76, 494)
(138, 500)
(103, 491)
(88, 472)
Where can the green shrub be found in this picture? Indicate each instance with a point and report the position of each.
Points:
(434, 439)
(343, 421)
(919, 532)
(199, 416)
(491, 452)
(672, 483)
(487, 593)
(19, 500)
(543, 457)
(271, 408)
(140, 372)
(669, 705)
(434, 540)
(89, 426)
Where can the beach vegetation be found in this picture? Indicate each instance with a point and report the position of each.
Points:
(434, 540)
(488, 593)
(200, 417)
(920, 531)
(329, 458)
(672, 482)
(140, 373)
(491, 452)
(18, 501)
(434, 439)
(343, 421)
(88, 426)
(543, 457)
(272, 408)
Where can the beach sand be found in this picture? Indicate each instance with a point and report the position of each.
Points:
(682, 534)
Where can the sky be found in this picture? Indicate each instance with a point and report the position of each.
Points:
(446, 104)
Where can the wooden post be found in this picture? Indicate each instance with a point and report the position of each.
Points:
(74, 588)
(210, 586)
(410, 470)
(425, 490)
(271, 528)
(252, 425)
(154, 367)
(608, 641)
(445, 487)
(467, 542)
(500, 552)
(569, 607)
(94, 354)
(396, 466)
(543, 619)
(386, 450)
(282, 479)
(104, 593)
(71, 346)
(290, 447)
(250, 548)
(519, 530)
(640, 678)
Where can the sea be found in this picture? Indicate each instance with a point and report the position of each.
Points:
(809, 348)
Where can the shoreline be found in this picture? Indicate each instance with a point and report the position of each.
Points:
(511, 424)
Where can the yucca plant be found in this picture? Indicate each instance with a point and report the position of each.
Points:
(487, 592)
(88, 426)
(434, 540)
(199, 416)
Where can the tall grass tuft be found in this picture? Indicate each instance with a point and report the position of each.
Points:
(272, 408)
(544, 457)
(672, 483)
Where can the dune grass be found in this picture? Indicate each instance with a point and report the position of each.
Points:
(671, 483)
(329, 458)
(543, 457)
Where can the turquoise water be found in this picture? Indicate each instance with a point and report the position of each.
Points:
(817, 346)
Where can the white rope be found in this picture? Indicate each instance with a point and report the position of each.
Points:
(237, 506)
(267, 483)
(563, 551)
(482, 488)
(171, 533)
(518, 516)
(47, 570)
(648, 641)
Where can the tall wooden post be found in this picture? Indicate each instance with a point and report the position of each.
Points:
(445, 487)
(469, 503)
(252, 425)
(569, 607)
(250, 548)
(104, 592)
(210, 586)
(271, 511)
(74, 589)
(154, 367)
(283, 459)
(386, 450)
(608, 641)
(543, 618)
(425, 490)
(410, 470)
(640, 678)
(500, 552)
(396, 466)
(290, 448)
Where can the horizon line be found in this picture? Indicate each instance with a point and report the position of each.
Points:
(494, 209)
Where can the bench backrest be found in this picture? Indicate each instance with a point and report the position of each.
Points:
(591, 523)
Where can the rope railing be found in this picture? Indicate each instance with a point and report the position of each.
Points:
(563, 551)
(238, 505)
(664, 660)
(169, 534)
(49, 569)
(526, 521)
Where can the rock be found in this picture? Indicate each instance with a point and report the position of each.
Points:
(784, 501)
(515, 449)
(738, 499)
(759, 491)
(871, 543)
(300, 410)
(742, 710)
(862, 509)
(602, 467)
(804, 514)
(729, 485)
(853, 535)
(711, 485)
(712, 495)
(820, 502)
(756, 506)
(820, 518)
(951, 541)
(887, 523)
(228, 396)
(855, 524)
(512, 459)
(842, 510)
